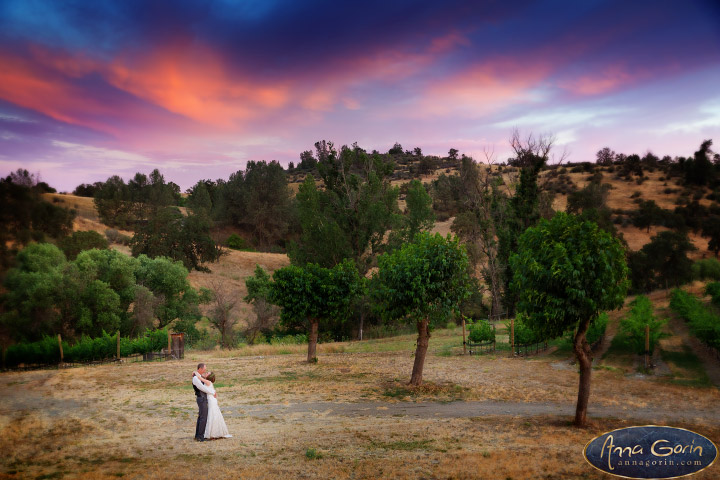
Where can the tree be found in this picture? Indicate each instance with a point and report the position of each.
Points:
(590, 203)
(167, 280)
(662, 262)
(87, 189)
(199, 200)
(699, 170)
(258, 287)
(523, 207)
(453, 153)
(26, 216)
(711, 229)
(112, 269)
(396, 149)
(447, 193)
(566, 272)
(605, 156)
(33, 289)
(113, 203)
(419, 216)
(220, 316)
(170, 234)
(258, 201)
(351, 215)
(423, 280)
(79, 241)
(307, 161)
(648, 214)
(312, 294)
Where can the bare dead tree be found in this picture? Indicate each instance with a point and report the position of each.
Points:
(266, 316)
(220, 314)
(477, 225)
(143, 309)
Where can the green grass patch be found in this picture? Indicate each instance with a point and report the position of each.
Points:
(686, 367)
(312, 454)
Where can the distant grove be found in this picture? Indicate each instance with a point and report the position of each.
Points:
(346, 208)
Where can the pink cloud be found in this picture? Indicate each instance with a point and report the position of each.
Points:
(485, 87)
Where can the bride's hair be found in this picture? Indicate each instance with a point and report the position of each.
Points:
(211, 377)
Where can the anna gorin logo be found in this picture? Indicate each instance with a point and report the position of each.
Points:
(651, 452)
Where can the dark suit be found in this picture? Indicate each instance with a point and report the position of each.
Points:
(202, 402)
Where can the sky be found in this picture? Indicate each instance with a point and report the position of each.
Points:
(196, 88)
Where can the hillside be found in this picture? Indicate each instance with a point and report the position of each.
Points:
(232, 269)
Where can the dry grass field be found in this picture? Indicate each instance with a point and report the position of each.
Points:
(351, 415)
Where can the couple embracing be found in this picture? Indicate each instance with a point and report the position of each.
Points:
(210, 422)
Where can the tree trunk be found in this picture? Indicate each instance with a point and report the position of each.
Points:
(362, 322)
(584, 357)
(312, 341)
(420, 351)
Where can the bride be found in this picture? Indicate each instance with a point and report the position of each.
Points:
(215, 427)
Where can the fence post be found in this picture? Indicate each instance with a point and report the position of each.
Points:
(647, 346)
(493, 337)
(169, 350)
(118, 344)
(464, 346)
(60, 345)
(512, 336)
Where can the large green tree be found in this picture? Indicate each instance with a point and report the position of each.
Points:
(418, 216)
(171, 234)
(566, 272)
(423, 280)
(349, 216)
(168, 282)
(258, 201)
(662, 263)
(101, 290)
(33, 289)
(313, 294)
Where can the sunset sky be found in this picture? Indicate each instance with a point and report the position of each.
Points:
(197, 87)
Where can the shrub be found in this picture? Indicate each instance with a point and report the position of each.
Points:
(704, 324)
(707, 268)
(713, 289)
(114, 236)
(481, 331)
(236, 242)
(524, 335)
(633, 325)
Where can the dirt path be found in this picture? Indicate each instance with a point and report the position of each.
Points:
(463, 409)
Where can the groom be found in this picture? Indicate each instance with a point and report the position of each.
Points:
(201, 392)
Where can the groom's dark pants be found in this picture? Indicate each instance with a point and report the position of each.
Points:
(202, 416)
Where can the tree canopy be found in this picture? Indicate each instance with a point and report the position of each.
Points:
(312, 294)
(426, 279)
(566, 272)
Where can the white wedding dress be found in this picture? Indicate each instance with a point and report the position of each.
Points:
(215, 427)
